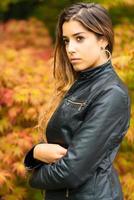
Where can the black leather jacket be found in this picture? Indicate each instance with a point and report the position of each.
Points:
(91, 121)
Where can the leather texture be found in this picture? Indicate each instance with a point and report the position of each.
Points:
(90, 122)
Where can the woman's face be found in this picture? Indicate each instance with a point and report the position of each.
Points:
(82, 46)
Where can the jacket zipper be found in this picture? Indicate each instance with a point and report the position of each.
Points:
(111, 187)
(67, 193)
(77, 103)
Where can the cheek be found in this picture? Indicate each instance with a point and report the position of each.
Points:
(91, 50)
(95, 49)
(91, 46)
(91, 54)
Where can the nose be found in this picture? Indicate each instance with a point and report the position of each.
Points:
(71, 47)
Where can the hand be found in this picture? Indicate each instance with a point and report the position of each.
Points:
(48, 153)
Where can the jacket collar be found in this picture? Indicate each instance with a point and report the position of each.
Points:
(94, 71)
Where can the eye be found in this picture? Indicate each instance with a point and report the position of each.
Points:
(79, 38)
(65, 41)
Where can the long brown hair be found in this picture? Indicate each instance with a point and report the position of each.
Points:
(94, 18)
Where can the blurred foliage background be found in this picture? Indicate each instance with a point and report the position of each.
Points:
(27, 35)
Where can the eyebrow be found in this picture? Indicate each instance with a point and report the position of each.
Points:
(75, 34)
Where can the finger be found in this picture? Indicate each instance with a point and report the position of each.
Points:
(63, 152)
(54, 161)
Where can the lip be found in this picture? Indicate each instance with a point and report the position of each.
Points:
(74, 60)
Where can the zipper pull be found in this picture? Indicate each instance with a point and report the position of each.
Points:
(67, 193)
(82, 104)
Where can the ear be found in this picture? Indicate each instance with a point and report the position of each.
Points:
(103, 42)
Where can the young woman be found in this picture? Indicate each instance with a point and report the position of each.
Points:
(89, 114)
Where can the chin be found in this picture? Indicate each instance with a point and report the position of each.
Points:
(78, 68)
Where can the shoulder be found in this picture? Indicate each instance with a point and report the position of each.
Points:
(112, 85)
(112, 93)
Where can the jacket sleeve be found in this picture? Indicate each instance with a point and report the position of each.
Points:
(107, 117)
(30, 162)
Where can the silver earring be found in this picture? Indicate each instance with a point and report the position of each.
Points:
(107, 52)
